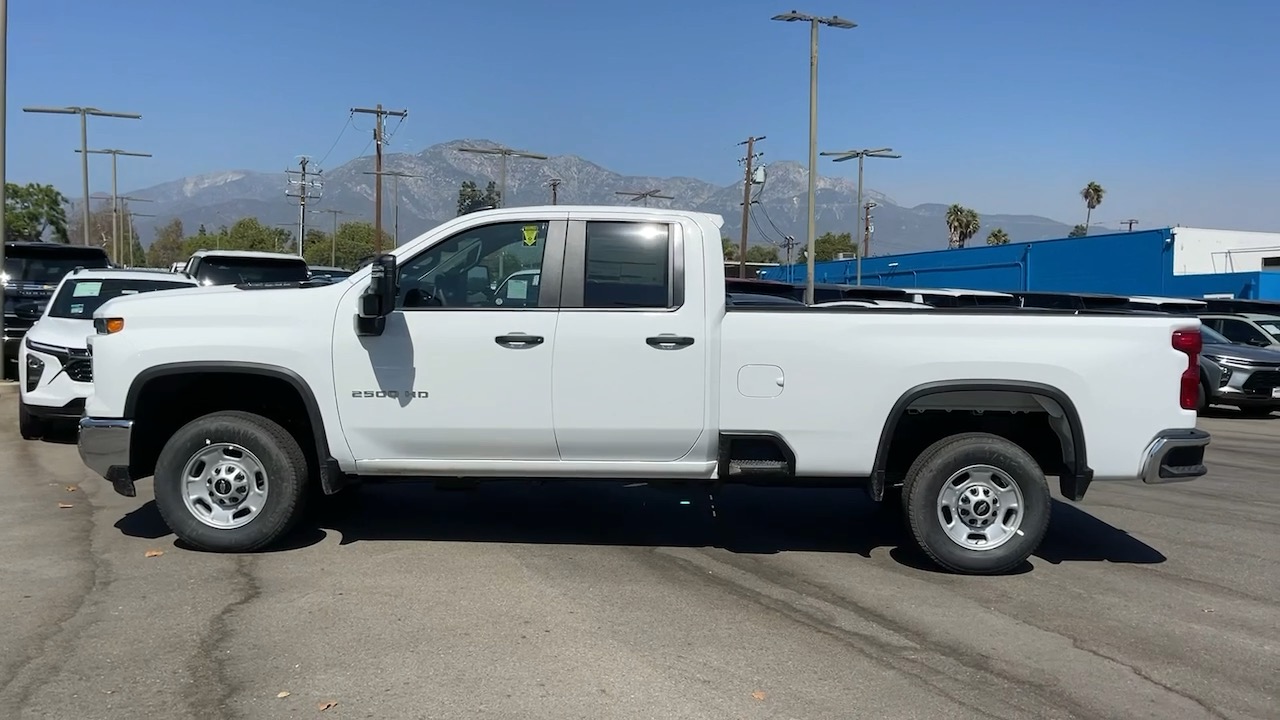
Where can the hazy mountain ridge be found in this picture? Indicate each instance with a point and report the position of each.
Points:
(430, 197)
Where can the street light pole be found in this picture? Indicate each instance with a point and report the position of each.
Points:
(843, 155)
(814, 21)
(84, 113)
(115, 201)
(395, 207)
(128, 221)
(504, 153)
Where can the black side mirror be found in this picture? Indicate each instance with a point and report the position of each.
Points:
(29, 311)
(377, 302)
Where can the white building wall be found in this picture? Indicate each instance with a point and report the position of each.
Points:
(1201, 251)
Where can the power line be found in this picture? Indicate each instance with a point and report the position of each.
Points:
(747, 180)
(333, 239)
(341, 132)
(503, 153)
(84, 113)
(644, 196)
(306, 190)
(115, 198)
(379, 114)
(396, 193)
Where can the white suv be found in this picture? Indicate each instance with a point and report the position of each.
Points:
(54, 370)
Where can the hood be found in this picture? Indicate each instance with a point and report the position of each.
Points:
(1248, 353)
(62, 332)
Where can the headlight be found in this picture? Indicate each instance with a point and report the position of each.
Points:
(35, 370)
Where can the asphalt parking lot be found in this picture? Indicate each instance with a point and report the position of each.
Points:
(577, 601)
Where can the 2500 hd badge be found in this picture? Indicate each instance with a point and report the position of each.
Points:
(396, 394)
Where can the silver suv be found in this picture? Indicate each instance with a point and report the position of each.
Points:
(1257, 329)
(1248, 377)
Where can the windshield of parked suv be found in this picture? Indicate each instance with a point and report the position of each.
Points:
(48, 265)
(215, 270)
(1209, 335)
(79, 298)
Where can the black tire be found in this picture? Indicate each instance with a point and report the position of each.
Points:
(937, 464)
(1202, 402)
(283, 464)
(30, 427)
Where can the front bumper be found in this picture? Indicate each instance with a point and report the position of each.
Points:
(104, 448)
(72, 410)
(1175, 456)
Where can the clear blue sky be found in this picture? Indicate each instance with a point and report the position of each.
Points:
(1002, 105)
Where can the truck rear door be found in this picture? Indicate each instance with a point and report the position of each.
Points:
(630, 363)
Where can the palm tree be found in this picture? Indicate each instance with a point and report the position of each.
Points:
(972, 223)
(1092, 194)
(998, 237)
(962, 224)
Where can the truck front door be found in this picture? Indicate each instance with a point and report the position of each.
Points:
(630, 367)
(455, 376)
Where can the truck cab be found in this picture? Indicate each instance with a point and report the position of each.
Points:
(236, 267)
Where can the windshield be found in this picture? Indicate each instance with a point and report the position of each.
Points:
(1209, 335)
(215, 270)
(79, 298)
(48, 265)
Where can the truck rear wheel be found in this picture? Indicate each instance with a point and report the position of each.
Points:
(231, 482)
(977, 503)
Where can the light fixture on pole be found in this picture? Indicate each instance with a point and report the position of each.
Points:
(655, 193)
(841, 156)
(814, 21)
(504, 153)
(115, 198)
(84, 113)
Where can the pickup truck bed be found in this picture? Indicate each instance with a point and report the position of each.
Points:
(618, 359)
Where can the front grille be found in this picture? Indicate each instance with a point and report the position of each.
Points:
(1261, 382)
(80, 369)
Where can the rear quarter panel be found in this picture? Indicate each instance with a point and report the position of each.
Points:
(843, 371)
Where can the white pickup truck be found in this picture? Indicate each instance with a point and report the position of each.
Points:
(240, 400)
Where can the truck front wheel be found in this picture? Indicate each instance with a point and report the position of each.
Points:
(231, 482)
(977, 503)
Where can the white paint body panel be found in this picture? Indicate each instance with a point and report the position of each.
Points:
(596, 400)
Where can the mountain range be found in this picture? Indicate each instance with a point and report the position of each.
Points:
(430, 197)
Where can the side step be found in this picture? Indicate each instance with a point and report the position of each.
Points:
(739, 468)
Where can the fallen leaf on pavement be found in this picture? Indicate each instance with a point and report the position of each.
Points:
(759, 694)
(64, 506)
(326, 704)
(71, 488)
(282, 694)
(153, 553)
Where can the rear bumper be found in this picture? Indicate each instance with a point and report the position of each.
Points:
(104, 448)
(1175, 456)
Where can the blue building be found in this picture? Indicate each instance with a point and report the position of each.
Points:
(1178, 262)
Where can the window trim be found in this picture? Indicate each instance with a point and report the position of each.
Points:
(575, 266)
(550, 271)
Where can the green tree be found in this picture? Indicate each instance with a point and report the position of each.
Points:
(1078, 231)
(762, 254)
(1092, 195)
(962, 224)
(472, 198)
(167, 247)
(998, 237)
(244, 234)
(730, 248)
(33, 209)
(353, 243)
(828, 245)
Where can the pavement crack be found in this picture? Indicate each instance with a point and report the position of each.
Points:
(212, 682)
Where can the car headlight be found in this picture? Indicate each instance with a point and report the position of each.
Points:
(35, 370)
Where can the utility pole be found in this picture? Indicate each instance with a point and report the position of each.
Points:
(866, 232)
(333, 239)
(128, 220)
(843, 155)
(120, 200)
(644, 196)
(1130, 223)
(554, 184)
(395, 184)
(307, 190)
(814, 21)
(84, 113)
(379, 114)
(115, 199)
(4, 109)
(504, 153)
(747, 162)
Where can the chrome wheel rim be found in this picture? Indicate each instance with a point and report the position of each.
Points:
(224, 486)
(980, 507)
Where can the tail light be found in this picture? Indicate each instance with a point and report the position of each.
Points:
(1190, 343)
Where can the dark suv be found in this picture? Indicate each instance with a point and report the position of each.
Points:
(31, 272)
